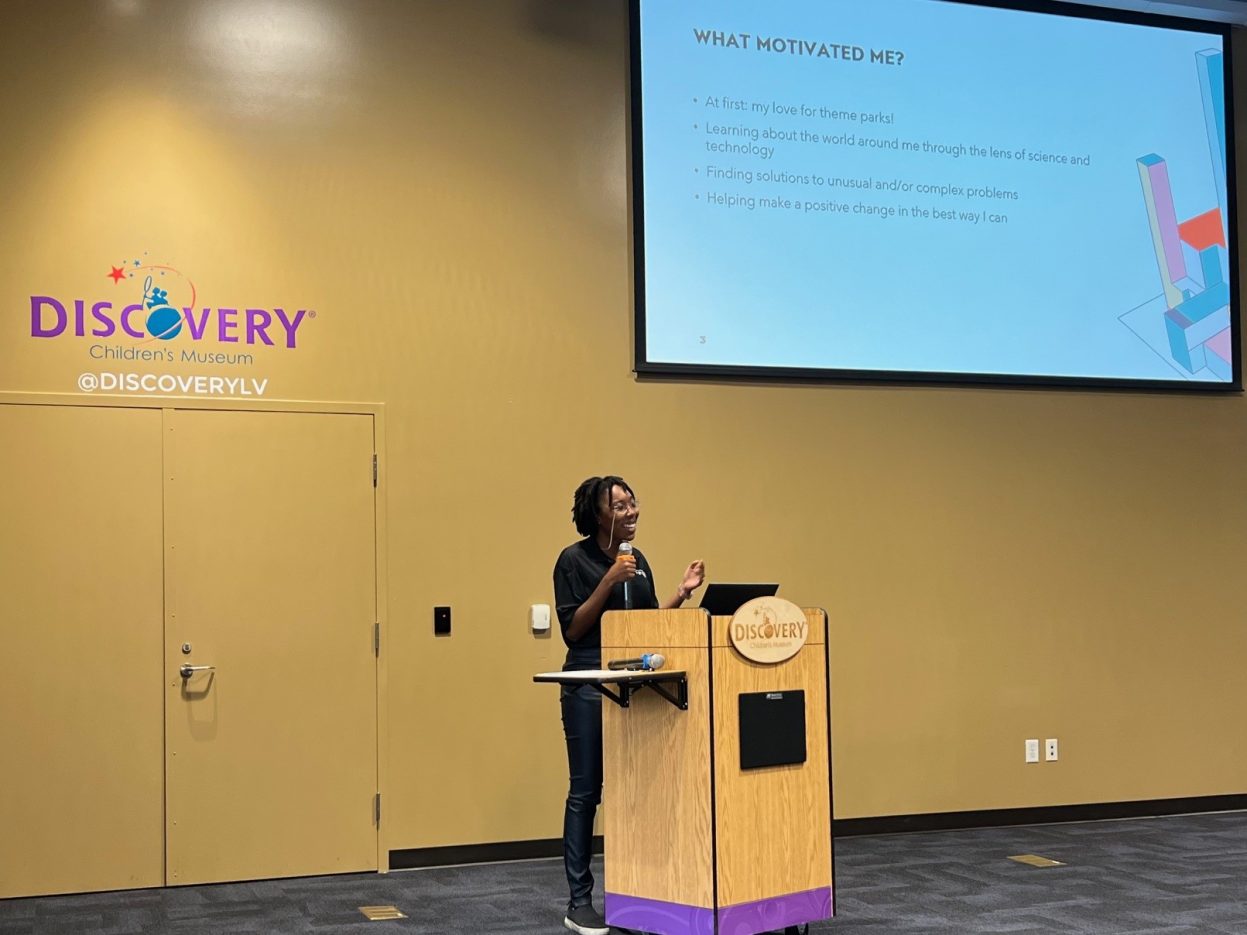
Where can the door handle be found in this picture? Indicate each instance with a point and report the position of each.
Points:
(187, 671)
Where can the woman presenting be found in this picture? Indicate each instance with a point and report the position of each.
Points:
(589, 579)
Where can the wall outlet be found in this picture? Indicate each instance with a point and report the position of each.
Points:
(1032, 751)
(1050, 749)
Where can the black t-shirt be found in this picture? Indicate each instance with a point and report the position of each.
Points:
(577, 572)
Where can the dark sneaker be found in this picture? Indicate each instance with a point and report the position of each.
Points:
(586, 920)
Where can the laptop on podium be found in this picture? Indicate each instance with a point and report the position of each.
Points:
(724, 599)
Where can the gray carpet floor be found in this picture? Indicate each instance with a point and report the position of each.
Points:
(1185, 874)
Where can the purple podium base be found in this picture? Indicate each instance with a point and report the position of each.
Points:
(765, 915)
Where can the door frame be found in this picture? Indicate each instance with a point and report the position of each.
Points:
(167, 404)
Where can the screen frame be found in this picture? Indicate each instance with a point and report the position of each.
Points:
(645, 368)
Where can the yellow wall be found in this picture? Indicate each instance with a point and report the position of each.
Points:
(445, 184)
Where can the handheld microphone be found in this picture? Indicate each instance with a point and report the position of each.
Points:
(625, 548)
(648, 662)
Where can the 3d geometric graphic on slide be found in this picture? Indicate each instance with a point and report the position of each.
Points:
(933, 191)
(1192, 255)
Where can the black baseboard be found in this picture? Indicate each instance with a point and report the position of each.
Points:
(1042, 815)
(413, 857)
(410, 858)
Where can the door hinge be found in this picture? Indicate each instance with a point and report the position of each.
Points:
(376, 638)
(374, 470)
(376, 803)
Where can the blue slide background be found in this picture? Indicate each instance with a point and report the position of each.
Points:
(1039, 295)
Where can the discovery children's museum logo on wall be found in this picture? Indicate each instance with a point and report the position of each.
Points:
(157, 305)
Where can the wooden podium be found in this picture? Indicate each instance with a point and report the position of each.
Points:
(695, 841)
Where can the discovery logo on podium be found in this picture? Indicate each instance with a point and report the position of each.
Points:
(768, 629)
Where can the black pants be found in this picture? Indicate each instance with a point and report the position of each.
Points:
(582, 726)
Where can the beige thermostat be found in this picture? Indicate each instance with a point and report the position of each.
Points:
(539, 618)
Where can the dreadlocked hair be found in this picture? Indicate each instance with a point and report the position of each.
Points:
(587, 498)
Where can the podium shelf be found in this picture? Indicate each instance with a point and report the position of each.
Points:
(625, 682)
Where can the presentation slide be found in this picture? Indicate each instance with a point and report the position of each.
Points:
(899, 187)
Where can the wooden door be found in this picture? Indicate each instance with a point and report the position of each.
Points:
(270, 543)
(81, 705)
